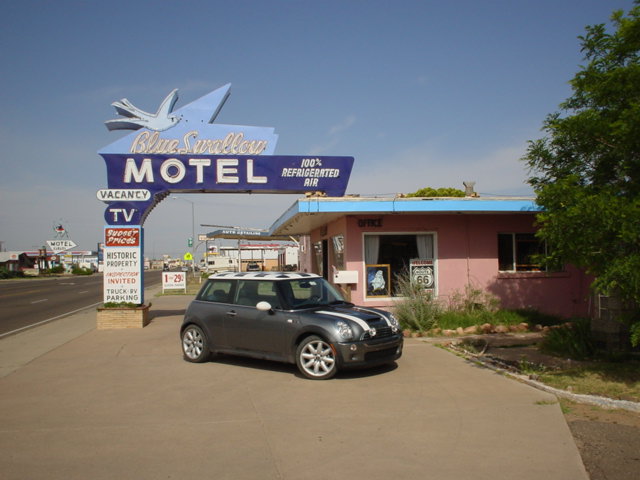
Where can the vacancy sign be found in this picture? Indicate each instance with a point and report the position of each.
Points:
(123, 264)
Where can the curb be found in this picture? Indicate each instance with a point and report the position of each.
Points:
(576, 397)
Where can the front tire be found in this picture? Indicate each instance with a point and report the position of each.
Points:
(194, 345)
(316, 358)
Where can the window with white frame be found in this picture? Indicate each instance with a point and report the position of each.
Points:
(395, 251)
(517, 252)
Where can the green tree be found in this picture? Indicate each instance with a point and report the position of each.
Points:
(437, 192)
(586, 170)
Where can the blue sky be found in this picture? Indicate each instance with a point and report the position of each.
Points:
(421, 93)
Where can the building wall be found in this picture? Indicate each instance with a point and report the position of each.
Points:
(466, 251)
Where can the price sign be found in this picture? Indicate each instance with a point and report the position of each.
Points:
(174, 281)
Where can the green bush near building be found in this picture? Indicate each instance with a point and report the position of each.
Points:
(418, 311)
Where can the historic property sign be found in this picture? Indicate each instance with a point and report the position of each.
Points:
(123, 262)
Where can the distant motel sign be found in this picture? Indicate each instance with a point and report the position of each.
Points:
(184, 151)
(58, 246)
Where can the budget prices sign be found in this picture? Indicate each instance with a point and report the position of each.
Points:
(123, 265)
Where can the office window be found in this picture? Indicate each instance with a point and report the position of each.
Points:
(392, 254)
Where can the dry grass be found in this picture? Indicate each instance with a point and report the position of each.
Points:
(617, 380)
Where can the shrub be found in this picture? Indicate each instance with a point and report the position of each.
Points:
(571, 340)
(437, 192)
(534, 317)
(635, 334)
(417, 310)
(54, 270)
(120, 305)
(4, 273)
(473, 300)
(81, 271)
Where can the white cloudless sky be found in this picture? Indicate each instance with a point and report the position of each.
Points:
(421, 93)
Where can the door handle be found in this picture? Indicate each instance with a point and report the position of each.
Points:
(231, 313)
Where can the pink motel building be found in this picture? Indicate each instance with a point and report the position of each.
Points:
(448, 244)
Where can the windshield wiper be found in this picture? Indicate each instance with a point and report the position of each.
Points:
(341, 302)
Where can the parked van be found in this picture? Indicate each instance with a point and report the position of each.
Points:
(217, 264)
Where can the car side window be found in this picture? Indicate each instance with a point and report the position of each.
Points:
(304, 290)
(251, 292)
(218, 291)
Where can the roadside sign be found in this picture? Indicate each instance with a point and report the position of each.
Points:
(187, 256)
(58, 246)
(123, 265)
(174, 281)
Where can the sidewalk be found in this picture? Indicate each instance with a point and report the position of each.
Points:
(79, 403)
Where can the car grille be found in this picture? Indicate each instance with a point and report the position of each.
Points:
(380, 354)
(382, 332)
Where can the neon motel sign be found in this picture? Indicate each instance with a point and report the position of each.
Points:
(185, 151)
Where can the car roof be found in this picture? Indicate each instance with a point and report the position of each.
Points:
(265, 275)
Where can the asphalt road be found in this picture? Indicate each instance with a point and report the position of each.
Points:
(28, 302)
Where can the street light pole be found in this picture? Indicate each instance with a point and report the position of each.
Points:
(193, 233)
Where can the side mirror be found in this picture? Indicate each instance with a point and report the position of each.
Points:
(264, 306)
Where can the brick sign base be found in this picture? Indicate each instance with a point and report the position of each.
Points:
(114, 318)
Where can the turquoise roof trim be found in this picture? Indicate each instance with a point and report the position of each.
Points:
(426, 205)
(359, 205)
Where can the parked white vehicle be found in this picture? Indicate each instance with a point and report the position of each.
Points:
(223, 263)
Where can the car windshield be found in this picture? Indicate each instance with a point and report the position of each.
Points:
(309, 292)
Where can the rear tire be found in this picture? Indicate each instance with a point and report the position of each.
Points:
(316, 358)
(195, 348)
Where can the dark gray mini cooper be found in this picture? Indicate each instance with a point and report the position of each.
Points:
(290, 317)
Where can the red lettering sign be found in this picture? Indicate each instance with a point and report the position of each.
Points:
(122, 237)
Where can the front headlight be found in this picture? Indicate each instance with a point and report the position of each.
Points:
(395, 325)
(344, 330)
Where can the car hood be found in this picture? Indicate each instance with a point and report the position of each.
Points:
(364, 318)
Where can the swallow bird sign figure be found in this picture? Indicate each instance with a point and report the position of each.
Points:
(161, 120)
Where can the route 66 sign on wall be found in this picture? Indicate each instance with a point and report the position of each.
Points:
(423, 272)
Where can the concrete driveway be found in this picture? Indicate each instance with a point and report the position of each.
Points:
(123, 404)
